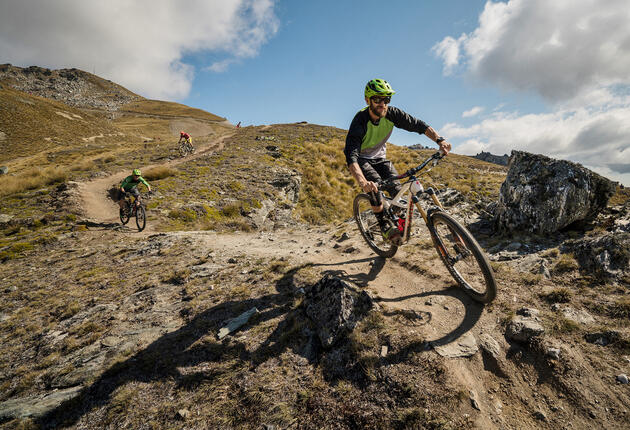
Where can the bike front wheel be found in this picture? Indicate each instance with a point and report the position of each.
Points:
(141, 218)
(124, 213)
(463, 257)
(369, 228)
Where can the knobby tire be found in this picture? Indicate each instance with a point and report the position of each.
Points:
(463, 257)
(125, 213)
(141, 218)
(369, 228)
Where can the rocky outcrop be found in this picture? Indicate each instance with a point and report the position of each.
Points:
(277, 213)
(525, 326)
(335, 307)
(605, 256)
(491, 158)
(543, 195)
(73, 87)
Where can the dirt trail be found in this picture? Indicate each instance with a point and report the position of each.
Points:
(407, 285)
(97, 204)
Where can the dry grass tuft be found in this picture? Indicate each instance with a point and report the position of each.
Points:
(31, 179)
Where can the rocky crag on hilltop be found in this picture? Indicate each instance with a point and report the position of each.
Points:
(491, 158)
(73, 87)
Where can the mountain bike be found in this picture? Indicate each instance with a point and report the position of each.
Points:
(458, 249)
(186, 148)
(130, 209)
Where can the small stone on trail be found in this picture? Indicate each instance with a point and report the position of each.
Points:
(554, 353)
(183, 414)
(622, 378)
(539, 415)
(473, 400)
(235, 323)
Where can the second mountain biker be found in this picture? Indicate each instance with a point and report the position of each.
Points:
(365, 148)
(130, 185)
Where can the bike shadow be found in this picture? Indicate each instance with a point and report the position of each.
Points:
(174, 355)
(187, 354)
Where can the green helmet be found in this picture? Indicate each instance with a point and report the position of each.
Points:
(378, 87)
(136, 172)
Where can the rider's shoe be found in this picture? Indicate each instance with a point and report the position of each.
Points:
(390, 231)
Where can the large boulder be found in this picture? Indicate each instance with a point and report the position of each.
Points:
(335, 307)
(543, 195)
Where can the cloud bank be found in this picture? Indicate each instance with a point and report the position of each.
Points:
(574, 54)
(139, 44)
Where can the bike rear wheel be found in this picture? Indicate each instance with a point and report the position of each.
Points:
(141, 218)
(369, 228)
(183, 149)
(463, 257)
(124, 212)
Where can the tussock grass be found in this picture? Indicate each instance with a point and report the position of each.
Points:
(31, 179)
(620, 308)
(558, 295)
(565, 263)
(158, 173)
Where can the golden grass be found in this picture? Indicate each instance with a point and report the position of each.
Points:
(162, 108)
(31, 179)
(157, 173)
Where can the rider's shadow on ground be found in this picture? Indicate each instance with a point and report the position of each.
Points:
(192, 344)
(175, 355)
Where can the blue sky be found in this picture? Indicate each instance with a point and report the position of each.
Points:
(543, 76)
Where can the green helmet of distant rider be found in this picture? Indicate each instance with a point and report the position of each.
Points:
(378, 87)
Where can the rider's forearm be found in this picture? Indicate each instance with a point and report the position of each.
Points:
(431, 134)
(356, 172)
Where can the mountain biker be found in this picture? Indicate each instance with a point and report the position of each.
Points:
(366, 140)
(185, 137)
(130, 185)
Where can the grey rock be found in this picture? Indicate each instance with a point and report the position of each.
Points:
(622, 378)
(343, 237)
(491, 158)
(523, 329)
(544, 195)
(554, 353)
(182, 414)
(4, 169)
(602, 338)
(607, 255)
(473, 400)
(514, 246)
(335, 307)
(539, 415)
(36, 406)
(463, 346)
(579, 316)
(236, 323)
(528, 312)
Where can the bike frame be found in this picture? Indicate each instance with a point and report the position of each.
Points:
(412, 199)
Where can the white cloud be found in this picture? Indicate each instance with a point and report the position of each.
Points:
(140, 44)
(472, 112)
(558, 49)
(596, 137)
(575, 54)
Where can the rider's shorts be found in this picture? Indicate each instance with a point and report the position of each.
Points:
(379, 169)
(134, 191)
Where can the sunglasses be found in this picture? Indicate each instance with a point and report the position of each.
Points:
(379, 100)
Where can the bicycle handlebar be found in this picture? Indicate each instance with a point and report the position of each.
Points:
(436, 157)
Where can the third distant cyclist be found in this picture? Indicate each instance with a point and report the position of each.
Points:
(183, 136)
